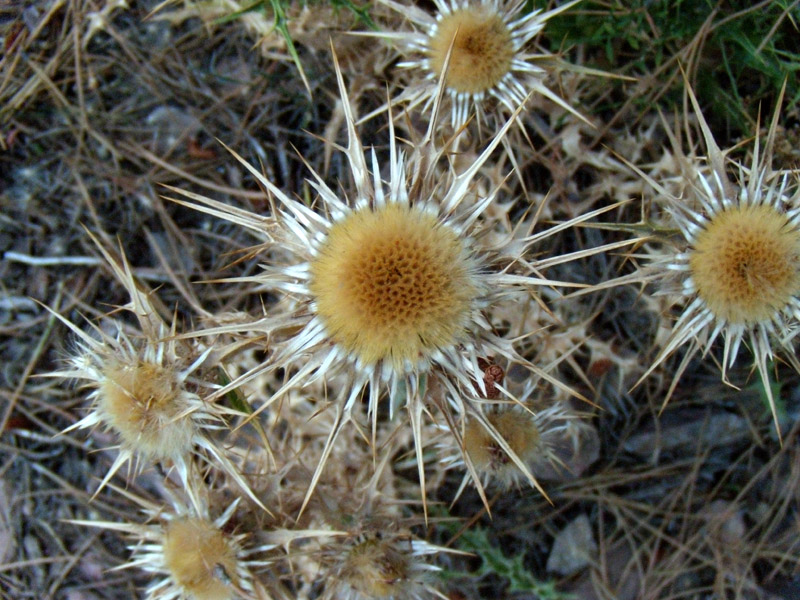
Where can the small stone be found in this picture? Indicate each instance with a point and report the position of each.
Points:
(169, 124)
(688, 429)
(573, 549)
(725, 522)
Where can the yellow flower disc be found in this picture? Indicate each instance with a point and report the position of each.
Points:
(375, 569)
(746, 263)
(482, 50)
(143, 404)
(392, 284)
(517, 429)
(200, 559)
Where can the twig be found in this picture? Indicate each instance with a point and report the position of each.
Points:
(51, 261)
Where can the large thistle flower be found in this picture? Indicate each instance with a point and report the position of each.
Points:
(387, 290)
(484, 47)
(736, 266)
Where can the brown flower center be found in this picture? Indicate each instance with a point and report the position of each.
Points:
(200, 559)
(482, 49)
(392, 283)
(745, 263)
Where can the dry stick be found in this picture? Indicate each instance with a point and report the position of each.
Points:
(775, 26)
(177, 235)
(69, 109)
(49, 84)
(37, 353)
(44, 432)
(43, 76)
(51, 261)
(139, 150)
(29, 88)
(33, 322)
(83, 119)
(76, 56)
(33, 562)
(705, 29)
(84, 261)
(87, 199)
(782, 504)
(7, 78)
(743, 12)
(669, 507)
(70, 489)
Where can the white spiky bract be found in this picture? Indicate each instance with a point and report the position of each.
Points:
(144, 388)
(378, 557)
(736, 267)
(485, 48)
(435, 208)
(374, 554)
(357, 540)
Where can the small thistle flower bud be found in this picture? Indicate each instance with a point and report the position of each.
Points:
(191, 555)
(375, 568)
(142, 395)
(506, 444)
(152, 407)
(379, 566)
(520, 432)
(148, 389)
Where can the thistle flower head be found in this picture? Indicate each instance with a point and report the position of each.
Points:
(389, 286)
(144, 392)
(145, 388)
(191, 554)
(736, 266)
(374, 568)
(200, 558)
(504, 443)
(382, 566)
(483, 50)
(520, 432)
(141, 390)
